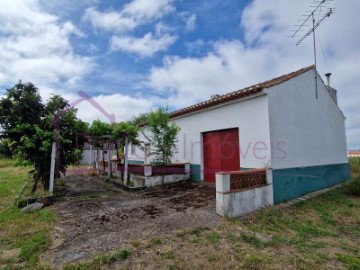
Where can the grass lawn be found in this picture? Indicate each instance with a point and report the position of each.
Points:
(22, 234)
(321, 233)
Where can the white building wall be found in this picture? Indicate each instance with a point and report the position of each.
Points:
(249, 115)
(305, 131)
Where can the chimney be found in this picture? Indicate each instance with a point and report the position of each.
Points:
(331, 90)
(328, 75)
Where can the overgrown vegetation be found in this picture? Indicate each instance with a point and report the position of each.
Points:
(101, 261)
(353, 187)
(25, 235)
(5, 151)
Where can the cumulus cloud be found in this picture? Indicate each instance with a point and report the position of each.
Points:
(266, 53)
(109, 21)
(123, 107)
(117, 107)
(144, 10)
(35, 46)
(132, 15)
(145, 46)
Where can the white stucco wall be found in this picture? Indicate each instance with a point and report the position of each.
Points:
(305, 131)
(250, 116)
(238, 203)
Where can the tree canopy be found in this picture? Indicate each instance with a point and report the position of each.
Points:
(125, 129)
(29, 126)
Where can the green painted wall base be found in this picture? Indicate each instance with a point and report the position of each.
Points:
(195, 172)
(245, 168)
(295, 182)
(132, 161)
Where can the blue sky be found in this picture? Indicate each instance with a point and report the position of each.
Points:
(132, 56)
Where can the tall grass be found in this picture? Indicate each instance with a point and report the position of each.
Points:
(353, 187)
(355, 166)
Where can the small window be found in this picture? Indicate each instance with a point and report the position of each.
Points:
(132, 149)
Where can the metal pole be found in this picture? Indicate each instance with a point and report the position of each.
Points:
(316, 85)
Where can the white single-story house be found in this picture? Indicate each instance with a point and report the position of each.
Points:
(291, 124)
(353, 153)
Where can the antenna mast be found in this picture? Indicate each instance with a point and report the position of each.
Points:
(316, 12)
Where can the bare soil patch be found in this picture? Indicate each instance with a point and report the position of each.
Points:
(90, 226)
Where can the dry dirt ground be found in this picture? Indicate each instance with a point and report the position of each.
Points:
(95, 216)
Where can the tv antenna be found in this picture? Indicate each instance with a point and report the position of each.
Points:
(314, 17)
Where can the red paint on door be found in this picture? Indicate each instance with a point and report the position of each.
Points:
(221, 152)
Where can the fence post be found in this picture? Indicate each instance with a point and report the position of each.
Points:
(222, 186)
(126, 160)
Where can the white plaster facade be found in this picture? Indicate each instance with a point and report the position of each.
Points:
(250, 116)
(282, 126)
(305, 130)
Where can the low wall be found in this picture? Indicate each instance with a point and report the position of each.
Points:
(255, 194)
(153, 175)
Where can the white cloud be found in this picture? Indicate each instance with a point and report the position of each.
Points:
(92, 48)
(121, 106)
(191, 23)
(145, 46)
(134, 14)
(109, 21)
(195, 46)
(229, 66)
(102, 107)
(35, 46)
(144, 10)
(266, 53)
(131, 16)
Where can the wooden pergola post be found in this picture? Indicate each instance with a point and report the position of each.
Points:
(109, 159)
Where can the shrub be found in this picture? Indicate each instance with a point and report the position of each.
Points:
(353, 187)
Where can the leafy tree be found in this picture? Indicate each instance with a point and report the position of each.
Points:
(121, 131)
(99, 128)
(140, 119)
(5, 150)
(163, 137)
(29, 125)
(125, 129)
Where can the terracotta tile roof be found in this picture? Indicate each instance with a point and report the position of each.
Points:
(354, 152)
(239, 93)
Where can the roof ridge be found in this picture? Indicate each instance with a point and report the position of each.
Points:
(247, 91)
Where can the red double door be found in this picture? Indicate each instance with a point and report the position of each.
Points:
(221, 152)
